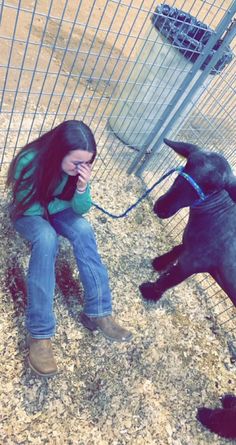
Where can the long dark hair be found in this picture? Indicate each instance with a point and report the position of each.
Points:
(41, 175)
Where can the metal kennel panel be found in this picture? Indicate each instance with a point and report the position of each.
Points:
(62, 60)
(65, 60)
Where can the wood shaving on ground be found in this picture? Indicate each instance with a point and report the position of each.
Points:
(144, 392)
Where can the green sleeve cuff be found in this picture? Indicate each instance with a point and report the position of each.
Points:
(81, 202)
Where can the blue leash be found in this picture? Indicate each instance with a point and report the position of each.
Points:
(177, 169)
(201, 194)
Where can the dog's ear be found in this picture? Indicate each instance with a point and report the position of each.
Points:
(182, 148)
(230, 186)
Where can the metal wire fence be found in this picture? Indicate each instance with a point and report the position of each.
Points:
(102, 62)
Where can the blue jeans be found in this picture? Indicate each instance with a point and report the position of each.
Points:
(43, 235)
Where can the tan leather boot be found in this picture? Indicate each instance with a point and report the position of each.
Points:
(41, 359)
(108, 327)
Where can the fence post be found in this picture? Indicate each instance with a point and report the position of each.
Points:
(1, 10)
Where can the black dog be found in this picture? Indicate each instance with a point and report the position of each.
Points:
(221, 421)
(208, 186)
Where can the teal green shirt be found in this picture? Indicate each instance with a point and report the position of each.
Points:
(80, 202)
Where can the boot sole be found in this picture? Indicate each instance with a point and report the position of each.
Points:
(49, 374)
(92, 326)
(116, 340)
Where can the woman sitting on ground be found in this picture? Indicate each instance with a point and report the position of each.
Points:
(50, 189)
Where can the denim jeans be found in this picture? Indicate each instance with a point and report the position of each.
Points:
(43, 235)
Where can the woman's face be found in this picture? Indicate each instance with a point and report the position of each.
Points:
(71, 162)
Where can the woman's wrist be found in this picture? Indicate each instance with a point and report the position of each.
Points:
(81, 190)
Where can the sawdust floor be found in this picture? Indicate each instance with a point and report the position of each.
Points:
(143, 392)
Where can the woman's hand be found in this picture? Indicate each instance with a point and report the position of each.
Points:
(84, 173)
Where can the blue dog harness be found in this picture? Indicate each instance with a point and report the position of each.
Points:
(202, 195)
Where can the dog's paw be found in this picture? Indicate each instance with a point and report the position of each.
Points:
(149, 291)
(205, 416)
(228, 401)
(219, 421)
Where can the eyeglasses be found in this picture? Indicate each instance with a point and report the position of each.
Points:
(82, 162)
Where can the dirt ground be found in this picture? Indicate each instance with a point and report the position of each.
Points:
(145, 392)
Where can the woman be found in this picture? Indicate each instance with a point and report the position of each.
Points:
(50, 187)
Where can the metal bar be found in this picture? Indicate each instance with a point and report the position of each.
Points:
(229, 319)
(54, 17)
(1, 10)
(30, 42)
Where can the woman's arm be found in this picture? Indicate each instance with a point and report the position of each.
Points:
(24, 160)
(80, 203)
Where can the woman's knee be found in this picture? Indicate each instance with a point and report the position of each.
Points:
(83, 228)
(39, 233)
(47, 237)
(82, 234)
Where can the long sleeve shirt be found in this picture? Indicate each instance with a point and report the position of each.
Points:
(80, 202)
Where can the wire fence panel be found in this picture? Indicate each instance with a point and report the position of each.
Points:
(62, 62)
(94, 61)
(65, 61)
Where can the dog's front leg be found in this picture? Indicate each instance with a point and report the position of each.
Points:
(164, 261)
(173, 276)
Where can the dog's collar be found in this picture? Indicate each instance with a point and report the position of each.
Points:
(194, 184)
